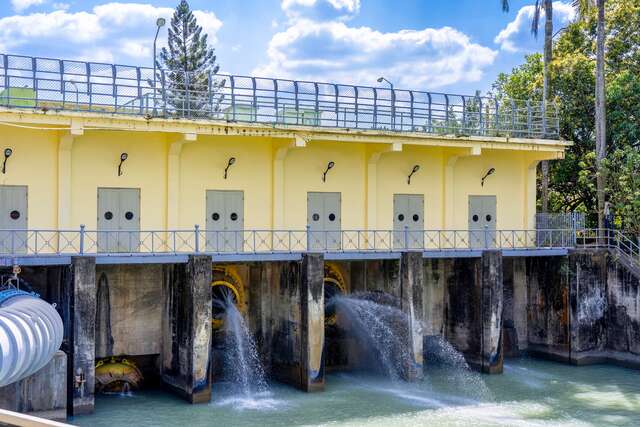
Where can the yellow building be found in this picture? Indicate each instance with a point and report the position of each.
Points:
(237, 170)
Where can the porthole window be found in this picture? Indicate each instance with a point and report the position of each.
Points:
(215, 216)
(14, 215)
(332, 217)
(400, 217)
(234, 216)
(316, 217)
(416, 217)
(128, 216)
(489, 218)
(108, 215)
(475, 218)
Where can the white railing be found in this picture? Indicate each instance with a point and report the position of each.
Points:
(83, 241)
(55, 84)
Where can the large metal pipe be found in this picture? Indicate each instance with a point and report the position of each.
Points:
(30, 333)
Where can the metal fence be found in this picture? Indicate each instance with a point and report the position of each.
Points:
(53, 84)
(83, 241)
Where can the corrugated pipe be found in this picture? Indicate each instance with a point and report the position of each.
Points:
(30, 333)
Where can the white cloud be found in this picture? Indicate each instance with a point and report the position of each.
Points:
(321, 9)
(61, 6)
(517, 37)
(22, 5)
(416, 59)
(109, 32)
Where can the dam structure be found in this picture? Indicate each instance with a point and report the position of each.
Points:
(133, 202)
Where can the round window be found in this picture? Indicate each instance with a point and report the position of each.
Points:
(15, 215)
(215, 216)
(400, 217)
(234, 216)
(332, 217)
(416, 217)
(129, 216)
(108, 215)
(475, 218)
(316, 217)
(488, 218)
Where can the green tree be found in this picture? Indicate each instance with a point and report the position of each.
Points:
(547, 7)
(584, 9)
(188, 67)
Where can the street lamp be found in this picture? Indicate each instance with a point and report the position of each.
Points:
(160, 22)
(393, 100)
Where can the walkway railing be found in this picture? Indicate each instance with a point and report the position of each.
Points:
(54, 84)
(157, 242)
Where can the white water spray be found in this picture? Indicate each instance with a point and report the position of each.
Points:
(242, 366)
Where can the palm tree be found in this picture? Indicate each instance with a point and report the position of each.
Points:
(584, 7)
(547, 6)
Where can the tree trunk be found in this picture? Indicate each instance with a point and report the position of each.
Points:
(546, 91)
(601, 129)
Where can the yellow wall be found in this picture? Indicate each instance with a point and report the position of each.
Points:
(34, 163)
(360, 175)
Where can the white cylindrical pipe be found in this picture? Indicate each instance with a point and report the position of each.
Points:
(31, 332)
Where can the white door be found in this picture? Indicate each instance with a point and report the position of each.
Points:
(408, 215)
(119, 220)
(225, 221)
(13, 219)
(324, 220)
(482, 221)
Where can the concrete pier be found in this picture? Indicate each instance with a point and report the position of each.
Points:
(43, 394)
(81, 306)
(411, 293)
(185, 357)
(298, 316)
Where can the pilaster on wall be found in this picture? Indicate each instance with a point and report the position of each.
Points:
(173, 179)
(448, 182)
(81, 307)
(65, 146)
(279, 179)
(298, 340)
(372, 184)
(185, 358)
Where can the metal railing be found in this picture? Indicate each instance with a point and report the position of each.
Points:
(54, 84)
(610, 239)
(197, 240)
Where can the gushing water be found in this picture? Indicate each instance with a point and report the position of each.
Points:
(379, 327)
(242, 366)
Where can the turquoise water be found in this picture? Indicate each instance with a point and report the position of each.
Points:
(529, 393)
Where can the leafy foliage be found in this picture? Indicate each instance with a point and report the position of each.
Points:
(573, 180)
(188, 67)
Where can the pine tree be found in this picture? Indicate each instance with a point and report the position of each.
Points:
(188, 66)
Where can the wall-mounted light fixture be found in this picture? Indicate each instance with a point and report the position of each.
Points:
(415, 169)
(7, 153)
(486, 175)
(330, 166)
(230, 163)
(123, 157)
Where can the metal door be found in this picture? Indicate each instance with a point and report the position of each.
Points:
(13, 219)
(324, 219)
(408, 215)
(118, 220)
(225, 221)
(482, 221)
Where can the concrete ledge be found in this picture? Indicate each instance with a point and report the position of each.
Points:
(585, 358)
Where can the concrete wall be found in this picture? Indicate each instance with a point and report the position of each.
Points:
(129, 310)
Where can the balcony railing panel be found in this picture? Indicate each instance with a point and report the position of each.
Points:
(42, 83)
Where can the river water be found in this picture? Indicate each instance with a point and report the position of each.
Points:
(529, 393)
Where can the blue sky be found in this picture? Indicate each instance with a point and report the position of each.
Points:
(440, 45)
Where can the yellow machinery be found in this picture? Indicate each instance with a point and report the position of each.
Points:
(226, 282)
(117, 375)
(334, 284)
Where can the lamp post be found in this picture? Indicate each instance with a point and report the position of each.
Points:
(393, 100)
(159, 24)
